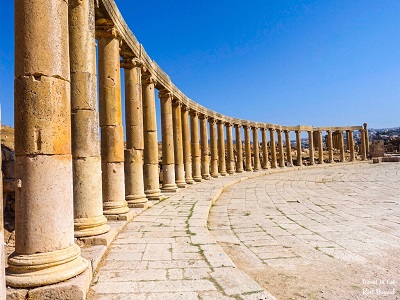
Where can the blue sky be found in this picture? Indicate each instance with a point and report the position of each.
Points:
(286, 62)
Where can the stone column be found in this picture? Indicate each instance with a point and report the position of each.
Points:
(134, 185)
(298, 148)
(112, 136)
(320, 148)
(341, 146)
(363, 145)
(239, 150)
(311, 146)
(178, 145)
(221, 149)
(167, 131)
(330, 146)
(256, 150)
(229, 146)
(187, 153)
(288, 148)
(350, 135)
(213, 147)
(86, 162)
(247, 148)
(280, 147)
(272, 145)
(205, 158)
(196, 153)
(365, 125)
(264, 147)
(45, 252)
(150, 154)
(2, 256)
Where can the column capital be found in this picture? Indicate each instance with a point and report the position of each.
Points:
(228, 124)
(165, 94)
(176, 102)
(237, 125)
(148, 79)
(192, 112)
(212, 120)
(106, 32)
(202, 116)
(365, 125)
(271, 129)
(131, 62)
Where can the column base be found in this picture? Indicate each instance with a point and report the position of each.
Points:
(115, 208)
(181, 183)
(34, 270)
(206, 177)
(223, 173)
(189, 181)
(197, 179)
(216, 175)
(137, 201)
(154, 194)
(239, 171)
(85, 227)
(169, 188)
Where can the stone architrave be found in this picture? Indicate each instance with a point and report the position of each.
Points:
(150, 154)
(330, 146)
(272, 146)
(45, 251)
(280, 147)
(311, 146)
(299, 149)
(221, 149)
(256, 149)
(167, 131)
(187, 153)
(247, 148)
(320, 148)
(264, 147)
(134, 182)
(178, 144)
(86, 161)
(229, 149)
(213, 147)
(195, 146)
(205, 158)
(112, 136)
(239, 149)
(288, 148)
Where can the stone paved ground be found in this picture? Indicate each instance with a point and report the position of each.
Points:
(324, 233)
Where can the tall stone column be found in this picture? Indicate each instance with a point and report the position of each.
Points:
(178, 145)
(264, 147)
(341, 146)
(256, 149)
(298, 148)
(311, 146)
(330, 146)
(272, 145)
(247, 148)
(363, 145)
(196, 153)
(239, 149)
(320, 148)
(86, 162)
(365, 125)
(205, 158)
(150, 154)
(350, 135)
(213, 147)
(229, 150)
(112, 136)
(167, 131)
(280, 147)
(187, 153)
(288, 148)
(134, 182)
(45, 252)
(221, 149)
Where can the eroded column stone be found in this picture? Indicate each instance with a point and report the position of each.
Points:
(213, 147)
(330, 146)
(150, 154)
(365, 125)
(363, 145)
(247, 148)
(351, 145)
(187, 153)
(229, 150)
(264, 146)
(272, 145)
(221, 149)
(196, 153)
(239, 149)
(320, 148)
(298, 148)
(45, 252)
(178, 145)
(134, 182)
(280, 147)
(311, 146)
(341, 146)
(86, 162)
(2, 252)
(167, 130)
(256, 150)
(205, 158)
(288, 148)
(112, 136)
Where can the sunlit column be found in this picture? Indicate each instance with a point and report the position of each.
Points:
(311, 146)
(239, 149)
(256, 149)
(221, 149)
(272, 146)
(178, 144)
(366, 139)
(320, 148)
(205, 158)
(280, 147)
(247, 148)
(341, 146)
(299, 149)
(230, 153)
(264, 147)
(195, 146)
(330, 146)
(363, 145)
(213, 147)
(187, 151)
(288, 148)
(350, 135)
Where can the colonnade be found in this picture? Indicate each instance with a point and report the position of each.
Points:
(70, 180)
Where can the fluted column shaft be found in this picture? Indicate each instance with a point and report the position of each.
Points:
(178, 145)
(213, 148)
(280, 147)
(134, 184)
(298, 148)
(150, 154)
(221, 149)
(264, 147)
(272, 145)
(86, 162)
(195, 144)
(311, 146)
(256, 149)
(247, 148)
(239, 149)
(187, 153)
(288, 148)
(167, 131)
(320, 148)
(45, 251)
(229, 149)
(205, 158)
(341, 146)
(330, 146)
